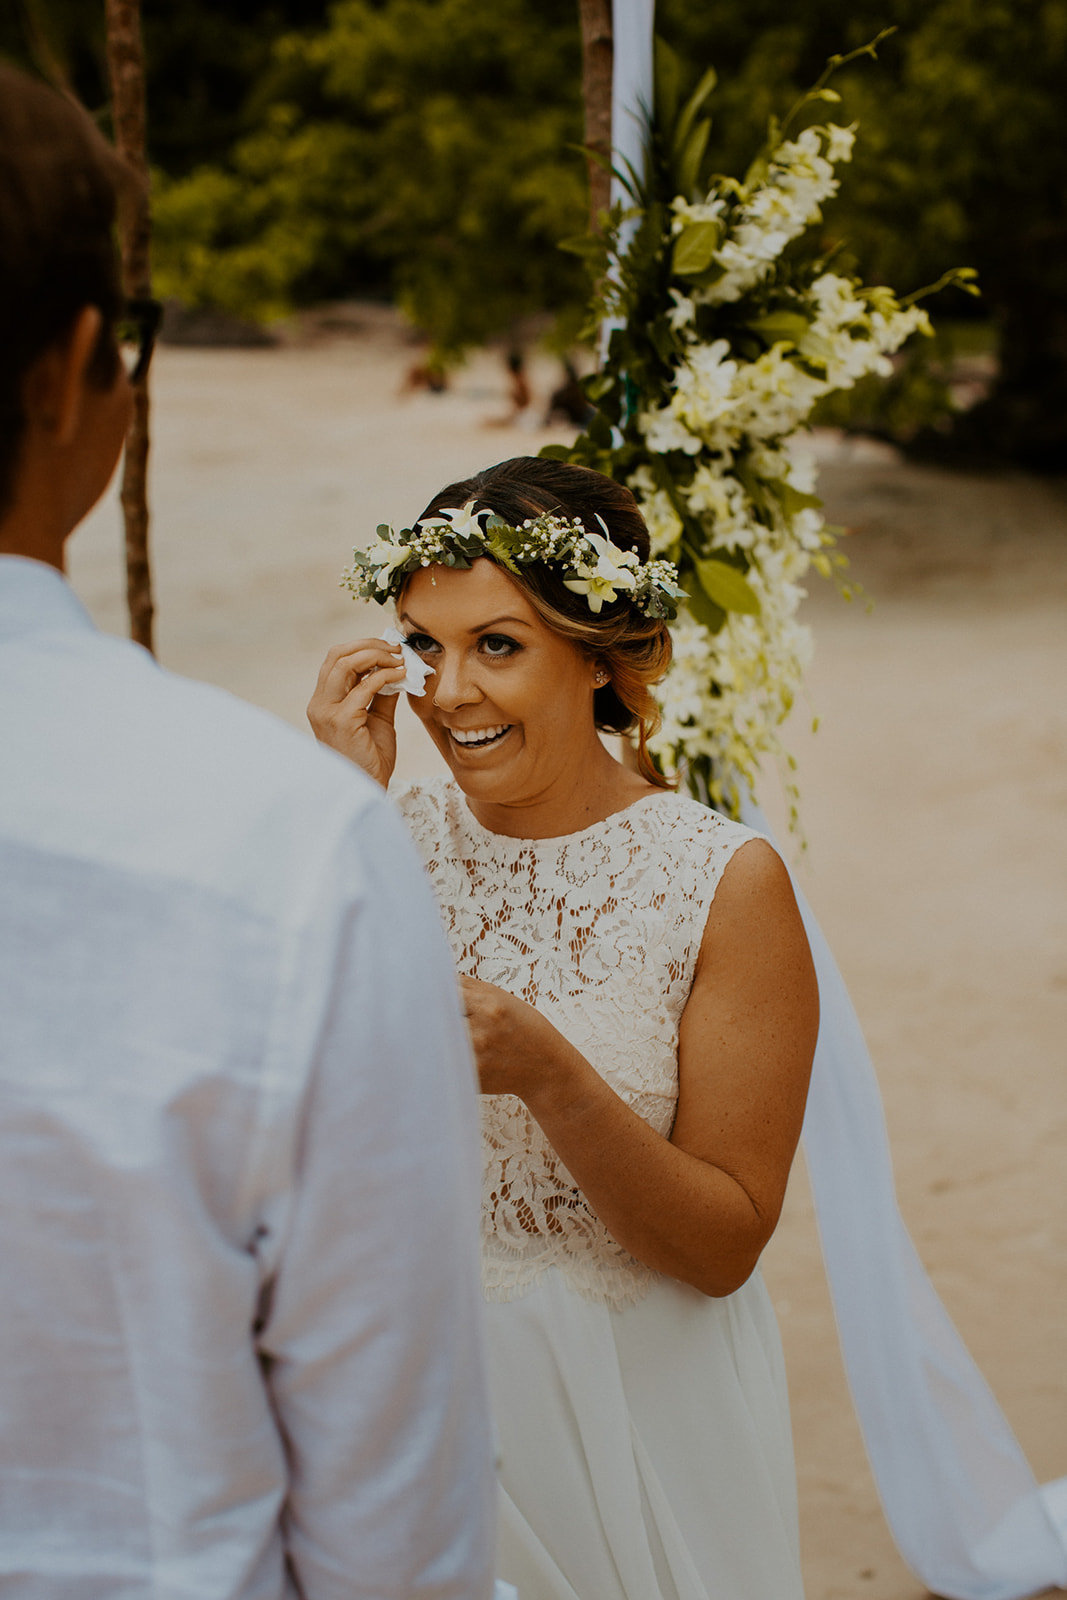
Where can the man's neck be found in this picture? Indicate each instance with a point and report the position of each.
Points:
(22, 534)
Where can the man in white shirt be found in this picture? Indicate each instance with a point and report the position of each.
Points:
(240, 1348)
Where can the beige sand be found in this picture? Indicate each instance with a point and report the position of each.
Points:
(933, 799)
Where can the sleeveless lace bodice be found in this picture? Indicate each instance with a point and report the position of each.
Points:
(600, 930)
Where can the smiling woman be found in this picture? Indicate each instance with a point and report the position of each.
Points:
(642, 1010)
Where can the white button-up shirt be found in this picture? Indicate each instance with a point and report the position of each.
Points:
(240, 1349)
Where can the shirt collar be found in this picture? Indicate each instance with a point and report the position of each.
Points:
(34, 597)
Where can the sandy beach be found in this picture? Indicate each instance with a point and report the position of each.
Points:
(933, 799)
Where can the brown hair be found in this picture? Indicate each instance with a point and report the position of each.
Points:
(59, 186)
(635, 649)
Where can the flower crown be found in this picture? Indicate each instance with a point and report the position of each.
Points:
(455, 538)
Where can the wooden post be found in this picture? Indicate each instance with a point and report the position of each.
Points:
(598, 53)
(125, 60)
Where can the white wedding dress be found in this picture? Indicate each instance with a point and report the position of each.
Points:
(644, 1428)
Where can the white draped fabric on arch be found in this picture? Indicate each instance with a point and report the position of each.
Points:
(958, 1494)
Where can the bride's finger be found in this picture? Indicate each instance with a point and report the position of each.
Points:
(335, 653)
(364, 691)
(339, 676)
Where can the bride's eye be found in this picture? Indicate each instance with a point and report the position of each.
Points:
(421, 643)
(498, 644)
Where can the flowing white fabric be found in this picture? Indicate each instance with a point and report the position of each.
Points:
(959, 1497)
(958, 1494)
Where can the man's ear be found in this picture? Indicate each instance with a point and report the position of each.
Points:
(54, 389)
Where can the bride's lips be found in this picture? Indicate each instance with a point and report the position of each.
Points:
(473, 740)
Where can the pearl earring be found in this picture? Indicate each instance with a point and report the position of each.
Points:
(600, 678)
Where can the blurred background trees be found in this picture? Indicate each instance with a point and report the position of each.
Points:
(423, 150)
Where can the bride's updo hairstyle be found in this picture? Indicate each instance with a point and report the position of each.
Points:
(635, 649)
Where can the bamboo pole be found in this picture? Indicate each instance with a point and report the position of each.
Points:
(125, 60)
(598, 53)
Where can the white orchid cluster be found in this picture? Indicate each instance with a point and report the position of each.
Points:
(781, 201)
(722, 441)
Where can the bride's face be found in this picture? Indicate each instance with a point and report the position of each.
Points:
(510, 704)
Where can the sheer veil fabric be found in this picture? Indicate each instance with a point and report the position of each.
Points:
(958, 1494)
(962, 1504)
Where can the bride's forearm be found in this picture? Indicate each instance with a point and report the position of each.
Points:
(675, 1212)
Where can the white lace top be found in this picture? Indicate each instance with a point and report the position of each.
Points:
(600, 930)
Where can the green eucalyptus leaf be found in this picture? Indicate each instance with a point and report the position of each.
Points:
(694, 249)
(727, 587)
(556, 452)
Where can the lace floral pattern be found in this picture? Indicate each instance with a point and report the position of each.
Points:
(600, 930)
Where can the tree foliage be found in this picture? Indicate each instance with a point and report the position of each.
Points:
(424, 147)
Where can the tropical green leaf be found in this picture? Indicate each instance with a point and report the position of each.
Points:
(778, 326)
(588, 245)
(694, 248)
(792, 501)
(703, 609)
(667, 69)
(692, 108)
(692, 157)
(727, 587)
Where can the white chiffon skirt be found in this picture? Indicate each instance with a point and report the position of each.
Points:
(645, 1451)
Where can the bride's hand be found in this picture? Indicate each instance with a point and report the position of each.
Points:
(348, 711)
(517, 1050)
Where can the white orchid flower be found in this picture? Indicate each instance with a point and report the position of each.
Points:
(612, 572)
(397, 555)
(613, 562)
(463, 521)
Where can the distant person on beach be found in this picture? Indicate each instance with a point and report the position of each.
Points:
(519, 395)
(569, 401)
(240, 1329)
(429, 375)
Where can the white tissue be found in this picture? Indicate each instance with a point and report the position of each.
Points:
(417, 672)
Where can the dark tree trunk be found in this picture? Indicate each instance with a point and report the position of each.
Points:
(125, 60)
(598, 54)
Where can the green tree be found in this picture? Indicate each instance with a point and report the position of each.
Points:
(422, 147)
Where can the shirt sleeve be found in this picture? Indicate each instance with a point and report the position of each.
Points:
(372, 1342)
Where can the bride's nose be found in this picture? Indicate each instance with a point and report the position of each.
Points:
(454, 685)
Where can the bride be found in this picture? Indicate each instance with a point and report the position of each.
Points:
(643, 1012)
